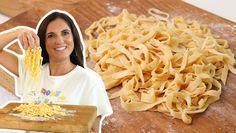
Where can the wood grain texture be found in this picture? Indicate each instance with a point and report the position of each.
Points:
(220, 117)
(81, 121)
(7, 81)
(13, 8)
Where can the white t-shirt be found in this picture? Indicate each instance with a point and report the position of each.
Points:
(81, 86)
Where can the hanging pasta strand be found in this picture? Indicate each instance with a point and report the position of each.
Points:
(33, 61)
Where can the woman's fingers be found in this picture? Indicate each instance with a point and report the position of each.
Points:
(21, 41)
(25, 41)
(36, 39)
(29, 40)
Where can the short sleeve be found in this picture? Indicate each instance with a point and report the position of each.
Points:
(103, 103)
(101, 99)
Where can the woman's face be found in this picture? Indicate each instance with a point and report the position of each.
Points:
(59, 41)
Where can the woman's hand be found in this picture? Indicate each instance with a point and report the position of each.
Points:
(28, 38)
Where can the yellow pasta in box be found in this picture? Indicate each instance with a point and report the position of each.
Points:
(171, 66)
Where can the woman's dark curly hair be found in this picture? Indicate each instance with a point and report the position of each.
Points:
(76, 56)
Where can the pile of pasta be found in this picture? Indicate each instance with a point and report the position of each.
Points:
(33, 61)
(39, 110)
(172, 66)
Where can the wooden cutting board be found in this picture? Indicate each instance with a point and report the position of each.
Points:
(81, 121)
(220, 117)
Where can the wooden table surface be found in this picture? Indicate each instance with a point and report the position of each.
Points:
(81, 120)
(220, 117)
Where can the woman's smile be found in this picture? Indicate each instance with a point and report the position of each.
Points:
(60, 48)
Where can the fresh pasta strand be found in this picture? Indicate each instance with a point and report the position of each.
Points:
(33, 61)
(171, 66)
(158, 14)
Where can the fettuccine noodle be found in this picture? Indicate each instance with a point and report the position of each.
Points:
(171, 66)
(33, 61)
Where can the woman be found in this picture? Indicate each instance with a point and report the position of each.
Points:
(64, 78)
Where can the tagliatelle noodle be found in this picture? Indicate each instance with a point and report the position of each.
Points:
(33, 62)
(171, 66)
